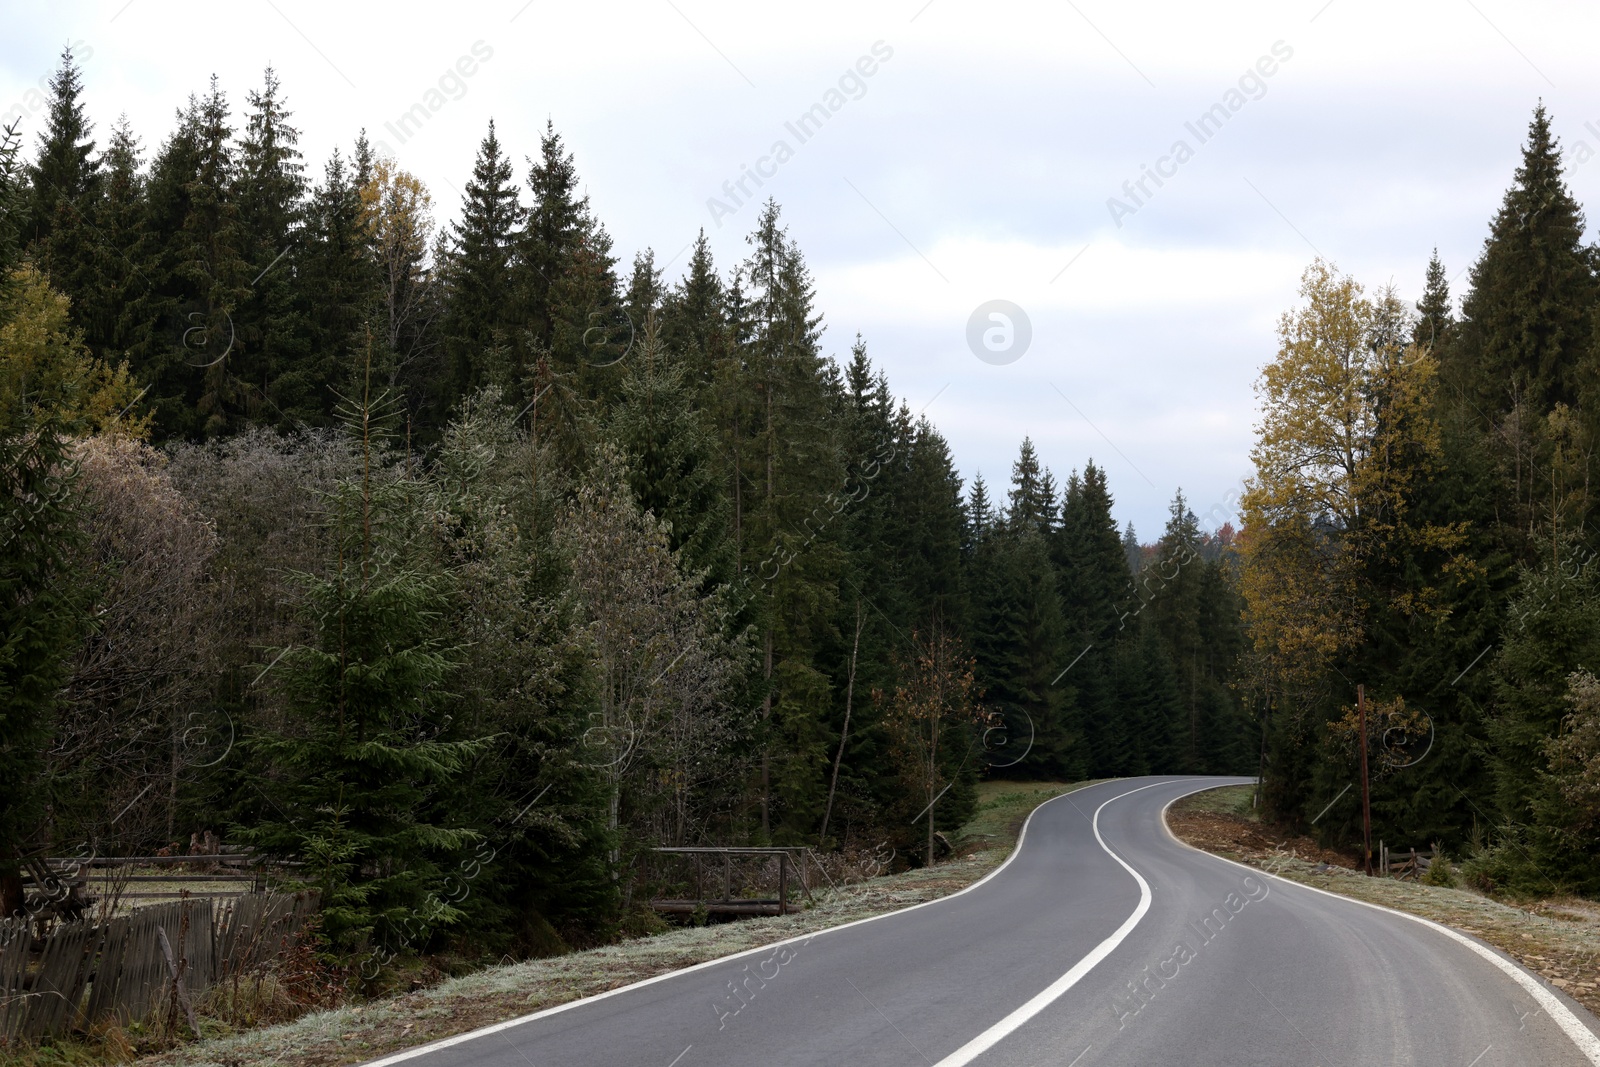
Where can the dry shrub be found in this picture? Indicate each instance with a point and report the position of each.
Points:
(296, 981)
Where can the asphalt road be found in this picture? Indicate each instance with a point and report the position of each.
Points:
(1103, 941)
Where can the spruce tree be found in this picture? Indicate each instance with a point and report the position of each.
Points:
(1032, 495)
(41, 621)
(1525, 323)
(360, 779)
(13, 202)
(155, 323)
(1172, 594)
(339, 281)
(272, 336)
(118, 280)
(694, 317)
(672, 458)
(590, 332)
(1091, 560)
(979, 512)
(558, 224)
(66, 182)
(1022, 657)
(1132, 551)
(182, 338)
(785, 455)
(479, 317)
(1435, 311)
(645, 291)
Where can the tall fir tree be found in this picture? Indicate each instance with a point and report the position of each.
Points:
(339, 281)
(1032, 496)
(480, 322)
(786, 457)
(118, 282)
(66, 185)
(694, 317)
(1435, 311)
(1524, 335)
(1173, 596)
(558, 224)
(271, 334)
(1091, 569)
(672, 455)
(362, 777)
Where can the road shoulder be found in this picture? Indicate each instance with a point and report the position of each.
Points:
(1557, 940)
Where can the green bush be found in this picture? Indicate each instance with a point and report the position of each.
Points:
(1439, 871)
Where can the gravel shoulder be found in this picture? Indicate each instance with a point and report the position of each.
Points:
(1557, 939)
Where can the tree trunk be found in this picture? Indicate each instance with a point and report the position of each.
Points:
(844, 734)
(933, 781)
(612, 822)
(766, 745)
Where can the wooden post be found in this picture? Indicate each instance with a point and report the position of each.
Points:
(727, 877)
(783, 883)
(177, 979)
(1366, 791)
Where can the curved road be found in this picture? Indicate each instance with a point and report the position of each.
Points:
(1103, 941)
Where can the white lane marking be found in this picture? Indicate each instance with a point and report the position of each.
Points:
(494, 1028)
(990, 1037)
(1570, 1024)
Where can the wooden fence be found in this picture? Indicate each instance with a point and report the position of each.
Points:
(1396, 863)
(133, 966)
(101, 886)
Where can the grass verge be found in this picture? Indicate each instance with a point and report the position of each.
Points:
(367, 1031)
(1557, 939)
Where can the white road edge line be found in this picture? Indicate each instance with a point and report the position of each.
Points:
(992, 1036)
(1570, 1024)
(495, 1028)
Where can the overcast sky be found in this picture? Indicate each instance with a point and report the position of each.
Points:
(974, 163)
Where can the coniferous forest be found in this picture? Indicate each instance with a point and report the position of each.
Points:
(380, 546)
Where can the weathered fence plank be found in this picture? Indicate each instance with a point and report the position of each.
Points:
(83, 972)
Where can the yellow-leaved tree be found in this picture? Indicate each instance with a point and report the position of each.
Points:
(1346, 437)
(45, 370)
(398, 213)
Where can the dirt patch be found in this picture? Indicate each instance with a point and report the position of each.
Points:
(1557, 939)
(1242, 839)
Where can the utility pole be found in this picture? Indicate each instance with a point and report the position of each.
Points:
(1366, 792)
